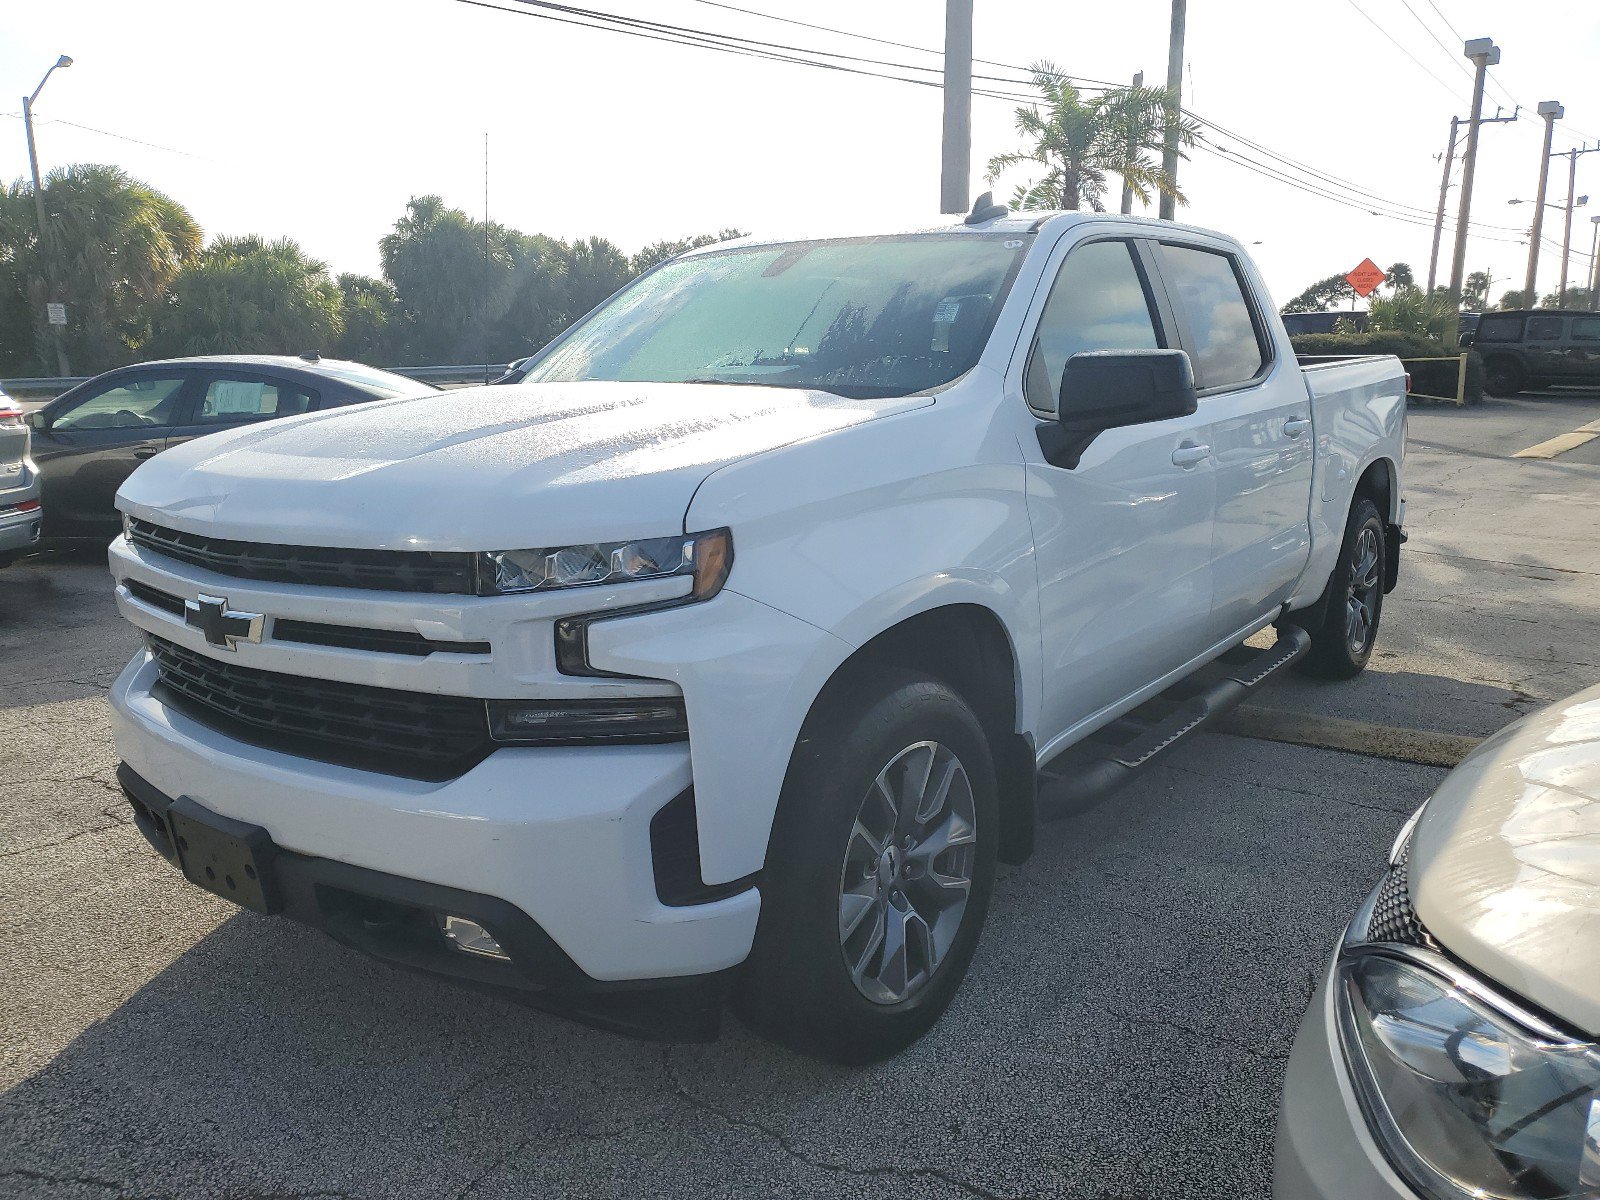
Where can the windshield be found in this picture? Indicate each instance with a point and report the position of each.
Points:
(860, 317)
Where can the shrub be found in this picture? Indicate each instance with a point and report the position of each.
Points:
(1427, 378)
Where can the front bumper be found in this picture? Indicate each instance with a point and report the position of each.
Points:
(1324, 1149)
(559, 834)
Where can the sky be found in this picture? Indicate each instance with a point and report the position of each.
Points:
(318, 119)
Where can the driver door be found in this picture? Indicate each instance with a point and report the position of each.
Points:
(90, 440)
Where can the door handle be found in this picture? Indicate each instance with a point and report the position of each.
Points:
(146, 453)
(1190, 453)
(1295, 426)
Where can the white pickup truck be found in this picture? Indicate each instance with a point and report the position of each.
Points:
(721, 658)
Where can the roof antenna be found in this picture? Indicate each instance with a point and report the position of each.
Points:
(985, 209)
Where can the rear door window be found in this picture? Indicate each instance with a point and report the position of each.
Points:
(1098, 302)
(232, 401)
(1586, 329)
(1225, 338)
(1544, 329)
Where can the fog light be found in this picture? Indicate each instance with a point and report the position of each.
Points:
(470, 937)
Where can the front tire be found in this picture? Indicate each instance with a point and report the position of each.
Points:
(879, 871)
(1351, 607)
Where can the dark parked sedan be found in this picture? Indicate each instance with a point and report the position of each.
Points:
(88, 440)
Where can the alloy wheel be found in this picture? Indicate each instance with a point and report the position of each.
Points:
(1361, 601)
(907, 873)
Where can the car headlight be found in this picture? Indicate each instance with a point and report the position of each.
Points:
(1469, 1094)
(707, 557)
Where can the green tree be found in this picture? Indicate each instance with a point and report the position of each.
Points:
(451, 278)
(1411, 310)
(371, 319)
(1514, 299)
(1079, 142)
(1474, 291)
(1574, 297)
(1400, 276)
(657, 253)
(594, 269)
(1321, 295)
(244, 295)
(117, 244)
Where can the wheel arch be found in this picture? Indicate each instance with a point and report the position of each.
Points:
(968, 647)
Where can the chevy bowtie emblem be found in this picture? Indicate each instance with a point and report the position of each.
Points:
(221, 625)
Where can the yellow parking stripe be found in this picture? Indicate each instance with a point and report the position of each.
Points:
(1560, 445)
(1354, 737)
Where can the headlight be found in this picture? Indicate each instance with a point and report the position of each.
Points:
(705, 556)
(1469, 1096)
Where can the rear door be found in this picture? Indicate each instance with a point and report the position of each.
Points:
(1543, 343)
(90, 440)
(227, 397)
(13, 442)
(1259, 417)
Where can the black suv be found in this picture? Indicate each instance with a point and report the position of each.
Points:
(1538, 348)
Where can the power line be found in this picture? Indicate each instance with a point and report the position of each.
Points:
(1370, 20)
(121, 137)
(1455, 59)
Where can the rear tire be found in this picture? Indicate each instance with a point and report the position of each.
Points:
(1352, 605)
(879, 871)
(1503, 377)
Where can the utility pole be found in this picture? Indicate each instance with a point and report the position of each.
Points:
(1484, 54)
(1551, 111)
(1444, 187)
(1572, 202)
(956, 173)
(1127, 192)
(46, 241)
(1169, 153)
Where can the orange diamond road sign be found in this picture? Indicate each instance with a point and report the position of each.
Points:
(1366, 277)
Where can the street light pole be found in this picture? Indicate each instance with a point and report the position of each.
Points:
(955, 180)
(1551, 111)
(1594, 266)
(1169, 152)
(1484, 54)
(46, 242)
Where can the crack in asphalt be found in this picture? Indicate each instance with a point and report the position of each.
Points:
(1202, 1034)
(783, 1141)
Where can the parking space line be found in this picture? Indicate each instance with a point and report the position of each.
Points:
(1422, 746)
(1563, 443)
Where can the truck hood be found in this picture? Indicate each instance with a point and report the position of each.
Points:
(484, 468)
(1505, 862)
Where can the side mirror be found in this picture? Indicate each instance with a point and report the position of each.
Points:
(1108, 389)
(1467, 339)
(36, 420)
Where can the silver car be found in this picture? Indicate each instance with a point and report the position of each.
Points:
(1453, 1050)
(19, 485)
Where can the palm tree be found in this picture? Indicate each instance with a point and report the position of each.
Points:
(1079, 141)
(244, 295)
(117, 244)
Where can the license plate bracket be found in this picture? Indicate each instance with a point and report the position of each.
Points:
(231, 859)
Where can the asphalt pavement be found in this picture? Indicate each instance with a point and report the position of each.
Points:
(1122, 1033)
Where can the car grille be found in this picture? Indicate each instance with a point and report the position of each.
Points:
(439, 572)
(1394, 919)
(413, 734)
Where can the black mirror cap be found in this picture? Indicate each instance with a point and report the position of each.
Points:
(1108, 389)
(1467, 339)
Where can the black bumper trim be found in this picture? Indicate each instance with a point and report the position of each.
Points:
(393, 918)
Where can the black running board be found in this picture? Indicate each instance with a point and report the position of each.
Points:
(1110, 757)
